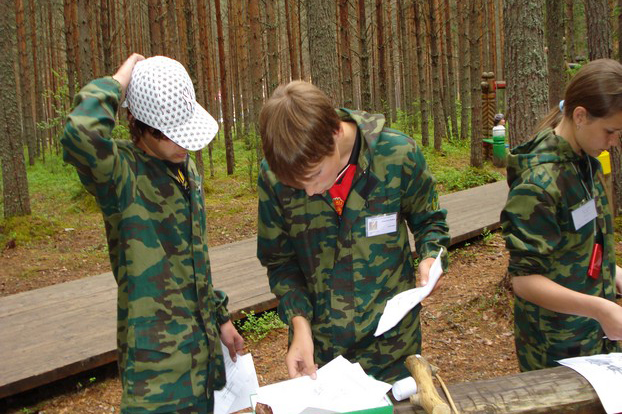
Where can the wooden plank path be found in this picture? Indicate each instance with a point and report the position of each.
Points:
(53, 332)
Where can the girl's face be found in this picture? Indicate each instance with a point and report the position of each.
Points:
(595, 135)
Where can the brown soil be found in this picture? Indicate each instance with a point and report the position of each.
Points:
(467, 324)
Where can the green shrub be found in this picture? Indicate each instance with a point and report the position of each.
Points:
(455, 180)
(255, 328)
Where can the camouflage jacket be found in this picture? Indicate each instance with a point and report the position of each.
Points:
(323, 267)
(168, 312)
(548, 180)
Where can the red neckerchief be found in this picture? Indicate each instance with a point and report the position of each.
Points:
(340, 190)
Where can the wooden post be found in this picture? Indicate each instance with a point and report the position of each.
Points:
(488, 103)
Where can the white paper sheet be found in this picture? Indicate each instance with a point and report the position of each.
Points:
(241, 383)
(604, 373)
(340, 387)
(398, 306)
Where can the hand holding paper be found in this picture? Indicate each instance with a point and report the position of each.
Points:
(398, 306)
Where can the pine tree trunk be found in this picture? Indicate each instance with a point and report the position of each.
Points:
(451, 72)
(172, 39)
(224, 99)
(364, 57)
(437, 110)
(255, 57)
(382, 71)
(106, 36)
(25, 81)
(405, 65)
(598, 29)
(38, 85)
(154, 11)
(390, 40)
(71, 47)
(345, 55)
(476, 94)
(84, 46)
(524, 67)
(423, 85)
(571, 53)
(272, 48)
(14, 182)
(463, 69)
(291, 42)
(235, 70)
(555, 57)
(322, 41)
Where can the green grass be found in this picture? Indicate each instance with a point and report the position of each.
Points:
(58, 199)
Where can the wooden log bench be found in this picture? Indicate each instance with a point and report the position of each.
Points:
(57, 331)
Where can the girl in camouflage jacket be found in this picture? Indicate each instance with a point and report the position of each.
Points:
(558, 226)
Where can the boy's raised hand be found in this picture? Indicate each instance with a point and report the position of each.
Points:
(124, 73)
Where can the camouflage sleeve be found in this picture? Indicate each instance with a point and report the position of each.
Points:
(86, 139)
(220, 302)
(421, 208)
(530, 229)
(276, 253)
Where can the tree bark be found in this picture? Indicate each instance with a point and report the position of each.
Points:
(38, 85)
(555, 47)
(272, 44)
(345, 53)
(154, 11)
(14, 181)
(85, 50)
(437, 110)
(382, 72)
(106, 35)
(571, 54)
(423, 85)
(364, 57)
(25, 81)
(322, 41)
(463, 69)
(451, 72)
(476, 94)
(291, 41)
(598, 29)
(525, 68)
(224, 101)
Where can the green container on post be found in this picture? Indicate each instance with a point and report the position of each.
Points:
(498, 147)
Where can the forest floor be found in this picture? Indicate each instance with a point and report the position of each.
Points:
(467, 325)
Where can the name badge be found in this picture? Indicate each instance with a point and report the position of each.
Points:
(584, 214)
(376, 225)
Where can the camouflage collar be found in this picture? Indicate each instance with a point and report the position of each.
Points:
(370, 127)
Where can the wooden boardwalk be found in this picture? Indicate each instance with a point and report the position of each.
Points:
(53, 332)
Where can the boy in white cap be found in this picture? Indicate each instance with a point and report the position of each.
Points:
(169, 316)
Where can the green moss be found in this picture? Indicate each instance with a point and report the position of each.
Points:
(27, 229)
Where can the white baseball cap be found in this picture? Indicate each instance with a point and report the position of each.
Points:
(160, 94)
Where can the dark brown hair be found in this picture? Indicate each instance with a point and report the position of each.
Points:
(297, 125)
(597, 87)
(138, 129)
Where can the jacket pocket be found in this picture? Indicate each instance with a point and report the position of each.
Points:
(160, 361)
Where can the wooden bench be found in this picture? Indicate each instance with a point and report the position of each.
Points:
(53, 332)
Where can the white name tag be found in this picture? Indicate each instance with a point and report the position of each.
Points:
(376, 225)
(584, 214)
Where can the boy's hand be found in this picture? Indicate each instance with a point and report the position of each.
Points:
(299, 358)
(232, 339)
(124, 73)
(424, 274)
